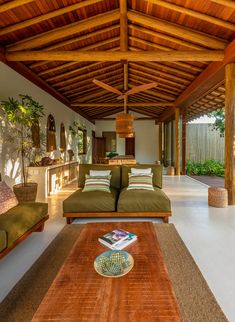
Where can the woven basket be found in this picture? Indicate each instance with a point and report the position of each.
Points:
(217, 197)
(26, 193)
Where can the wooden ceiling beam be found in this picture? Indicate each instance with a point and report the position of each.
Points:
(203, 39)
(168, 56)
(164, 74)
(186, 66)
(89, 47)
(195, 14)
(79, 70)
(107, 113)
(87, 83)
(94, 95)
(65, 31)
(144, 112)
(47, 16)
(145, 104)
(13, 4)
(209, 78)
(226, 3)
(63, 84)
(142, 71)
(174, 40)
(155, 93)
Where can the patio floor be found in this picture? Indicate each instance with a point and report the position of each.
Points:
(211, 181)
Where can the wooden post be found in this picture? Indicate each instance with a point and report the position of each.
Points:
(177, 141)
(160, 142)
(172, 143)
(230, 132)
(184, 126)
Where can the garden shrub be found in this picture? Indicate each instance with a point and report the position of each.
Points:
(208, 168)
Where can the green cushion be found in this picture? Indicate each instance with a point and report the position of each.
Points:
(156, 170)
(143, 201)
(3, 240)
(115, 172)
(92, 201)
(21, 218)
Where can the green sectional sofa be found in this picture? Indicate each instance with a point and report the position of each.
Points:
(120, 202)
(18, 222)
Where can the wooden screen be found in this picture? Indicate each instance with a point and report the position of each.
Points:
(62, 138)
(51, 130)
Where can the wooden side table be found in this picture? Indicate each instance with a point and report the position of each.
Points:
(217, 197)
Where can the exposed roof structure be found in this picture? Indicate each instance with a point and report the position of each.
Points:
(62, 45)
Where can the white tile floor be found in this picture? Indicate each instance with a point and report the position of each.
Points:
(209, 234)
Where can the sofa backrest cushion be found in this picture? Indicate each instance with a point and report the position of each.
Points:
(115, 173)
(7, 198)
(156, 170)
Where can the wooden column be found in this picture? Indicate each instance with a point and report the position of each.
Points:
(160, 142)
(230, 132)
(177, 141)
(184, 142)
(172, 144)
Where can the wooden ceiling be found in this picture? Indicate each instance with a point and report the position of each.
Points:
(62, 45)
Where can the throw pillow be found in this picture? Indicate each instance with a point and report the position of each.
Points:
(7, 198)
(100, 173)
(97, 183)
(141, 171)
(140, 182)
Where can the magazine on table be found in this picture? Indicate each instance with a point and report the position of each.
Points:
(117, 239)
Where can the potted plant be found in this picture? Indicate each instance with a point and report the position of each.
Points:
(22, 116)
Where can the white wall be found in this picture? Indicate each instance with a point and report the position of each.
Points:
(146, 139)
(12, 84)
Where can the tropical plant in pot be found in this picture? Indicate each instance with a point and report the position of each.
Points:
(22, 116)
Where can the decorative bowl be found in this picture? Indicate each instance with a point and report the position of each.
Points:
(113, 263)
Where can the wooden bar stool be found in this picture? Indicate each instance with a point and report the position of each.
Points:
(217, 197)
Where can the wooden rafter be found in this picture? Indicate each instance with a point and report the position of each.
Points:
(171, 39)
(154, 104)
(47, 16)
(226, 3)
(177, 30)
(195, 14)
(155, 93)
(95, 95)
(13, 4)
(61, 32)
(204, 55)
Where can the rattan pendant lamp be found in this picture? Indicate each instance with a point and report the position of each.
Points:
(124, 121)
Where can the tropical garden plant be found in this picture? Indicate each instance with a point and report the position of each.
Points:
(219, 124)
(22, 115)
(209, 168)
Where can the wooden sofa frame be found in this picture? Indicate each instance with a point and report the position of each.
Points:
(70, 216)
(38, 227)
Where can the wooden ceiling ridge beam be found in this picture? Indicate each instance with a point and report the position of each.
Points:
(226, 3)
(168, 56)
(178, 41)
(177, 30)
(46, 16)
(64, 31)
(212, 76)
(195, 14)
(13, 4)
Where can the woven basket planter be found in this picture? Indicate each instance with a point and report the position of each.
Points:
(26, 193)
(217, 197)
(170, 171)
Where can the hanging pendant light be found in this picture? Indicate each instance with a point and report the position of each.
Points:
(124, 123)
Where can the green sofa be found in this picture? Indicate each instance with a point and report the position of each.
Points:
(120, 202)
(18, 222)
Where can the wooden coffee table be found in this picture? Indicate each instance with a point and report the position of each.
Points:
(79, 294)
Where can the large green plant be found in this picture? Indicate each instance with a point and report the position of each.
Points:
(21, 115)
(209, 168)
